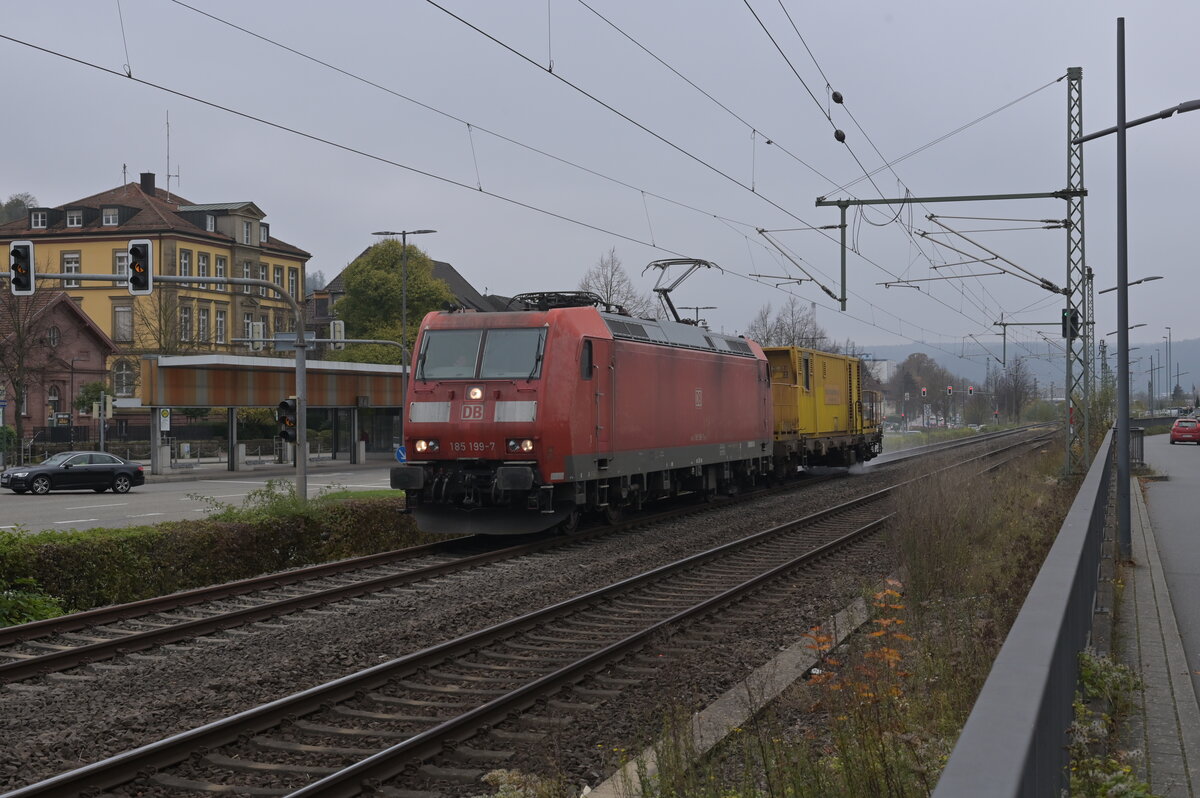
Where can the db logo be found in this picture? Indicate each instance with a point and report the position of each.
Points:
(472, 412)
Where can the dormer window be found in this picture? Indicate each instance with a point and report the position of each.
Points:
(210, 223)
(74, 218)
(246, 232)
(263, 233)
(37, 220)
(110, 217)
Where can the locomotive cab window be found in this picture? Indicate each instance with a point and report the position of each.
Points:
(506, 354)
(585, 361)
(449, 354)
(511, 354)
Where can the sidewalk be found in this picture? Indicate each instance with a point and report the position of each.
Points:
(1165, 725)
(210, 468)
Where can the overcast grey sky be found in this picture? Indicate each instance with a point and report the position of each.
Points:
(669, 172)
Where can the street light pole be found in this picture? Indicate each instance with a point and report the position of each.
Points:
(1124, 531)
(404, 234)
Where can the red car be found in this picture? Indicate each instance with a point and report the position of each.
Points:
(1185, 429)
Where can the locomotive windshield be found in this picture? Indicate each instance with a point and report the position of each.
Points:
(506, 354)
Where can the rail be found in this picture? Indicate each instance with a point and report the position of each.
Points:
(1014, 744)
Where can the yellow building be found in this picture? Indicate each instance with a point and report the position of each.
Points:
(229, 239)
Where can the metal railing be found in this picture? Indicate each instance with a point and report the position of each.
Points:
(1014, 744)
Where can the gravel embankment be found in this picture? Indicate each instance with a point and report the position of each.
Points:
(66, 721)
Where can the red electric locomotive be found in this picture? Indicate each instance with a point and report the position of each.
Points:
(521, 420)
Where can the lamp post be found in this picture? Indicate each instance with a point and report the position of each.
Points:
(1135, 282)
(404, 234)
(71, 400)
(1170, 379)
(1124, 530)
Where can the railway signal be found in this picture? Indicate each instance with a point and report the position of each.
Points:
(970, 390)
(141, 266)
(20, 268)
(1070, 324)
(949, 390)
(286, 416)
(923, 393)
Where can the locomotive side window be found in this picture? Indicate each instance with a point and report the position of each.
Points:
(585, 361)
(449, 354)
(512, 353)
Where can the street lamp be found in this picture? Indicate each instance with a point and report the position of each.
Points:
(1135, 282)
(1124, 530)
(1133, 327)
(404, 234)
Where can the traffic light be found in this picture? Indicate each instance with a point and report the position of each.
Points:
(1070, 324)
(970, 390)
(20, 268)
(141, 266)
(922, 393)
(949, 390)
(286, 416)
(337, 334)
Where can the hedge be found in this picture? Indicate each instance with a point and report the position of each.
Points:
(96, 567)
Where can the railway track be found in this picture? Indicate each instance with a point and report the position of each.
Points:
(59, 644)
(465, 700)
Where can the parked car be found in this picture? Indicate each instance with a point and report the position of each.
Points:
(1185, 429)
(96, 471)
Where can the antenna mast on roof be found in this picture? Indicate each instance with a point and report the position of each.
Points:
(169, 175)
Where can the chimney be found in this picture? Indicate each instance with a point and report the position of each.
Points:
(148, 183)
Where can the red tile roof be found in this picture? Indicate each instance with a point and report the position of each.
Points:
(154, 214)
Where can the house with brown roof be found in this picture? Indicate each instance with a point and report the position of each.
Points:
(231, 239)
(49, 349)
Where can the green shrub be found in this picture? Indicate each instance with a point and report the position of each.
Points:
(21, 602)
(270, 532)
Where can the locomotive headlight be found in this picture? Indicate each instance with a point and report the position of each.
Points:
(423, 446)
(519, 445)
(475, 392)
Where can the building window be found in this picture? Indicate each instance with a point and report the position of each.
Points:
(246, 274)
(124, 378)
(220, 331)
(74, 218)
(185, 265)
(110, 217)
(293, 281)
(264, 232)
(202, 318)
(280, 326)
(54, 336)
(37, 220)
(53, 398)
(70, 265)
(185, 323)
(279, 276)
(245, 232)
(210, 223)
(262, 275)
(123, 324)
(220, 272)
(121, 266)
(24, 400)
(247, 325)
(202, 268)
(266, 325)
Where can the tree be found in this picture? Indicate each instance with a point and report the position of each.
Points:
(17, 206)
(27, 353)
(793, 325)
(89, 394)
(373, 304)
(608, 279)
(157, 325)
(314, 281)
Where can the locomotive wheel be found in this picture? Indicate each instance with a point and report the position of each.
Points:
(569, 524)
(611, 514)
